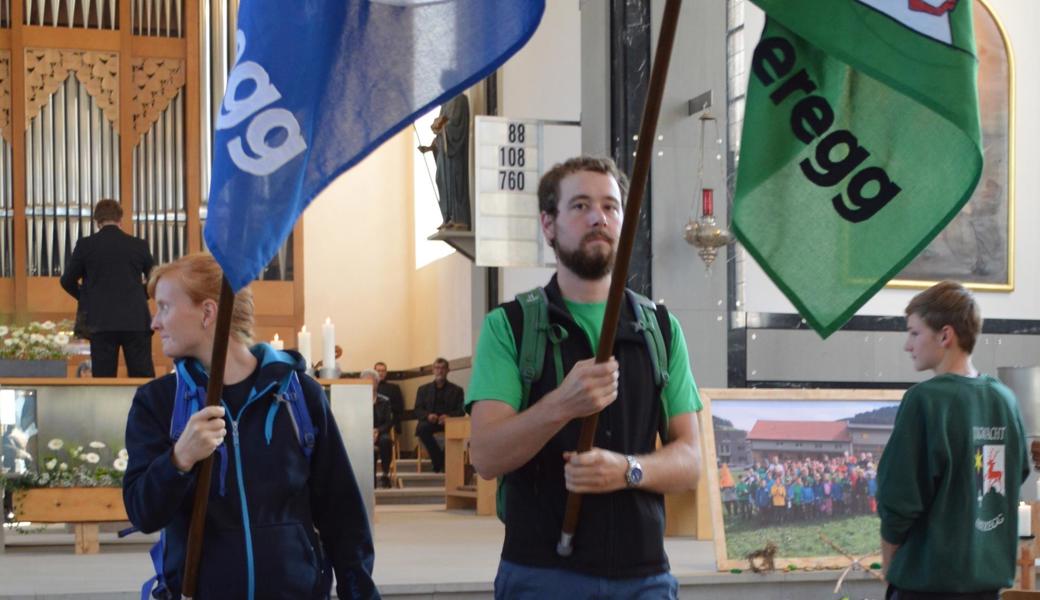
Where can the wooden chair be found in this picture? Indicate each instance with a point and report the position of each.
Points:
(395, 455)
(420, 449)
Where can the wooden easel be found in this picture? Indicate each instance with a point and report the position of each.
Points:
(1027, 553)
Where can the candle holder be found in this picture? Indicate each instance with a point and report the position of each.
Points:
(704, 232)
(1026, 563)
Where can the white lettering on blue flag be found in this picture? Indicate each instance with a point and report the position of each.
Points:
(264, 158)
(320, 85)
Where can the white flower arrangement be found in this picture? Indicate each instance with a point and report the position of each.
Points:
(70, 466)
(35, 341)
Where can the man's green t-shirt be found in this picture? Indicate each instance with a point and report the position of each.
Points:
(496, 375)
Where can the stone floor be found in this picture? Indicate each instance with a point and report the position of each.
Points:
(419, 554)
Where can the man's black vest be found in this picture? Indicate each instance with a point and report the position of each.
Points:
(620, 534)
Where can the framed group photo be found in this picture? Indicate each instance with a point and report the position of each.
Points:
(796, 470)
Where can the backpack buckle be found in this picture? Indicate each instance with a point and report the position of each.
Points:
(557, 333)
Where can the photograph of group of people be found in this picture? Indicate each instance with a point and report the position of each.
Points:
(792, 471)
(791, 491)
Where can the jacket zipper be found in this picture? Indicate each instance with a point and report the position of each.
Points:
(246, 528)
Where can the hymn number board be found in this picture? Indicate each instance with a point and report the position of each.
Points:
(511, 156)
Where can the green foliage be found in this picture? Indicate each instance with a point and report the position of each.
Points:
(858, 535)
(35, 341)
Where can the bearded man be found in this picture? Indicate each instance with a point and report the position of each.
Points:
(527, 434)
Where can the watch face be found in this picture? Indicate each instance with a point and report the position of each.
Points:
(636, 475)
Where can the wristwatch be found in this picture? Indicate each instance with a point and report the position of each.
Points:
(634, 474)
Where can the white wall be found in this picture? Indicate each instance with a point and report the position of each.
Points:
(1020, 20)
(358, 252)
(543, 81)
(360, 270)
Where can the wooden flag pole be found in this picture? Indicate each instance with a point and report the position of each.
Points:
(205, 472)
(640, 171)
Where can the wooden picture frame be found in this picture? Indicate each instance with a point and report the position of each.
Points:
(828, 406)
(977, 247)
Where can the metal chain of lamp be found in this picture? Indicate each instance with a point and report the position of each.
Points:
(703, 231)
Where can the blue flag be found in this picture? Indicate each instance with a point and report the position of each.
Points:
(316, 88)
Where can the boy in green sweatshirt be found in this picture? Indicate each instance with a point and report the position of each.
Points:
(949, 478)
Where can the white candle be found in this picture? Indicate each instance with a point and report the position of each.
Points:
(7, 408)
(303, 344)
(1025, 520)
(277, 343)
(328, 344)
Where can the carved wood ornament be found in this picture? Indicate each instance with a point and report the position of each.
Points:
(47, 69)
(156, 83)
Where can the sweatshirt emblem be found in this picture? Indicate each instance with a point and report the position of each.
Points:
(989, 470)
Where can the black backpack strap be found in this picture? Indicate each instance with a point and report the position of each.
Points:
(648, 322)
(528, 317)
(653, 320)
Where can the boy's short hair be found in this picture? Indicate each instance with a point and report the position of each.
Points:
(107, 210)
(549, 186)
(949, 303)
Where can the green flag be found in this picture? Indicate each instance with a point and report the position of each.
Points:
(861, 141)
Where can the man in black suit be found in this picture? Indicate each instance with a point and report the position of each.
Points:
(106, 274)
(391, 391)
(434, 402)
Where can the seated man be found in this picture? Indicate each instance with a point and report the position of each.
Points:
(382, 422)
(393, 392)
(435, 402)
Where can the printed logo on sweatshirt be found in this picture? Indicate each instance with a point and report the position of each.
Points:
(989, 470)
(991, 524)
(988, 434)
(990, 476)
(993, 457)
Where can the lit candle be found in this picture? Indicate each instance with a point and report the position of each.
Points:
(277, 343)
(303, 344)
(1025, 520)
(707, 202)
(328, 344)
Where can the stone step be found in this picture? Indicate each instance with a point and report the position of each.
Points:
(420, 480)
(409, 465)
(410, 496)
